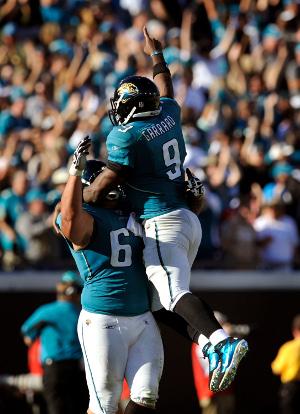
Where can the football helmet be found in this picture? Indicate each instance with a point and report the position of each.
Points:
(135, 97)
(92, 169)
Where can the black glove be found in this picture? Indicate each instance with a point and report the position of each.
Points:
(194, 185)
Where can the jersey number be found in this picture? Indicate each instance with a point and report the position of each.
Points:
(172, 158)
(121, 254)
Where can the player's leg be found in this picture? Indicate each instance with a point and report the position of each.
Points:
(171, 244)
(221, 347)
(105, 354)
(134, 408)
(144, 365)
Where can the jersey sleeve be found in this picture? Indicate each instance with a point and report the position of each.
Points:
(32, 326)
(120, 146)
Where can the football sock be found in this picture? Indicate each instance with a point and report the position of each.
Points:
(197, 314)
(202, 341)
(218, 336)
(177, 324)
(133, 408)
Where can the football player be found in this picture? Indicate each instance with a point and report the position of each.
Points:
(146, 151)
(117, 332)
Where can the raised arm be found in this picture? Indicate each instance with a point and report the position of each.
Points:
(161, 73)
(119, 165)
(76, 224)
(102, 184)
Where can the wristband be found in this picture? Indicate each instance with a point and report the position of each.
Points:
(156, 52)
(160, 68)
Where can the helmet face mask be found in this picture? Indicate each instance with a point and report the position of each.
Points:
(92, 170)
(135, 97)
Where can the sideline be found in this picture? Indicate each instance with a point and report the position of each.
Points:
(204, 280)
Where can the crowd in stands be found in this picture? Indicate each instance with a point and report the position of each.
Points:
(236, 74)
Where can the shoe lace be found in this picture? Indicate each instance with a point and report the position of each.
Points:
(205, 349)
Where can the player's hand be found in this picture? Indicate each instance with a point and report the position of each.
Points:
(79, 157)
(194, 185)
(151, 44)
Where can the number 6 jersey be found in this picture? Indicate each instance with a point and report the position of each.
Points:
(154, 148)
(111, 266)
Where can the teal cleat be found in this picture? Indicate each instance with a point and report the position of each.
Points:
(231, 351)
(214, 365)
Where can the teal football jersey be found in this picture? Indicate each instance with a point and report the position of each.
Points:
(154, 148)
(55, 323)
(115, 281)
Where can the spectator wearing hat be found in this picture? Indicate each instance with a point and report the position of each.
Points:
(277, 190)
(56, 325)
(34, 226)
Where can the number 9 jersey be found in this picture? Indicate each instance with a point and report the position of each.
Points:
(154, 149)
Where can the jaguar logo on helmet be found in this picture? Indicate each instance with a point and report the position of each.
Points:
(135, 97)
(127, 90)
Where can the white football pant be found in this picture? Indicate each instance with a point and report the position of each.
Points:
(118, 347)
(171, 244)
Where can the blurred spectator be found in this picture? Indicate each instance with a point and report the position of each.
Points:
(278, 236)
(14, 118)
(35, 227)
(277, 190)
(293, 76)
(235, 69)
(58, 180)
(12, 205)
(56, 325)
(209, 254)
(287, 365)
(238, 236)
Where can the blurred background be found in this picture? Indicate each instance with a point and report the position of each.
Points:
(236, 74)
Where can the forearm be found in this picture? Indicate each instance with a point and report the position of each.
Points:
(71, 200)
(163, 80)
(102, 185)
(73, 218)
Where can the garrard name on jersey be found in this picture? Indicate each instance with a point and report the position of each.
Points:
(155, 130)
